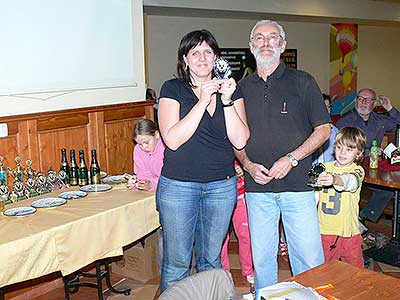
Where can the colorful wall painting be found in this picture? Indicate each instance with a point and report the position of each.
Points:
(343, 67)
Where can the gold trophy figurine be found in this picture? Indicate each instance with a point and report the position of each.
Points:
(29, 172)
(3, 172)
(18, 171)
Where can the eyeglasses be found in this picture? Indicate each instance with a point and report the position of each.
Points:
(365, 100)
(272, 38)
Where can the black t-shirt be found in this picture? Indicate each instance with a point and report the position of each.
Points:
(208, 155)
(281, 113)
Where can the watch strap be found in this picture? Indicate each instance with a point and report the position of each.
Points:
(228, 104)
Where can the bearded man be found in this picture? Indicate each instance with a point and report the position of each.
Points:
(374, 126)
(288, 121)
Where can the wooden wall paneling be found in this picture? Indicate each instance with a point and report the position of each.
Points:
(119, 126)
(96, 138)
(107, 128)
(149, 111)
(67, 131)
(51, 142)
(119, 146)
(28, 146)
(9, 144)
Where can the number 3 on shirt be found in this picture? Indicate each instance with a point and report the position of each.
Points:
(335, 200)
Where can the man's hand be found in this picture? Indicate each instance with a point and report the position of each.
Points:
(386, 103)
(259, 173)
(280, 168)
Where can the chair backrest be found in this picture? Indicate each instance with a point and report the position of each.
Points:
(215, 284)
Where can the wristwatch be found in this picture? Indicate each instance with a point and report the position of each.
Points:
(293, 161)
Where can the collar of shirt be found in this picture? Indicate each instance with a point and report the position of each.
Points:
(276, 74)
(158, 148)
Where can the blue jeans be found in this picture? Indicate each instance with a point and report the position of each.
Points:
(193, 213)
(300, 222)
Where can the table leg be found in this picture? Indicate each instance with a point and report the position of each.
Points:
(108, 281)
(395, 228)
(72, 285)
(390, 253)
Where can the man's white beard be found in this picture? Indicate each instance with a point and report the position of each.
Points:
(363, 111)
(267, 61)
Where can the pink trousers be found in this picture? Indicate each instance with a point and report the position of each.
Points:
(241, 226)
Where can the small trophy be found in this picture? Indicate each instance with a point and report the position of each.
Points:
(222, 69)
(61, 179)
(4, 194)
(30, 188)
(313, 174)
(18, 193)
(40, 181)
(29, 172)
(18, 172)
(3, 172)
(51, 181)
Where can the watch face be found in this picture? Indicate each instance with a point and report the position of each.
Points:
(293, 160)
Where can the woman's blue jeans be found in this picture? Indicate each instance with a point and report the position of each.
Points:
(193, 213)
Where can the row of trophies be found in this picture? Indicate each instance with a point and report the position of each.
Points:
(27, 182)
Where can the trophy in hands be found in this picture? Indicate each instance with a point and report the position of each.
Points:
(222, 69)
(313, 174)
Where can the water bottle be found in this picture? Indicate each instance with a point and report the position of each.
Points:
(373, 155)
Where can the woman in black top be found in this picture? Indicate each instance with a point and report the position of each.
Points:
(200, 119)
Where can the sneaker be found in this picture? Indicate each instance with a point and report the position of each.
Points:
(250, 279)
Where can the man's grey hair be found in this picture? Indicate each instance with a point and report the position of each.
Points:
(276, 24)
(367, 89)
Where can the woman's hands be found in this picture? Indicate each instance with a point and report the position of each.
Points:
(224, 86)
(227, 88)
(207, 89)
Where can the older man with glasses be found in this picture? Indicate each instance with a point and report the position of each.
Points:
(374, 126)
(288, 121)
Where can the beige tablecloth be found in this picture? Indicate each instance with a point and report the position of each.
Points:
(69, 237)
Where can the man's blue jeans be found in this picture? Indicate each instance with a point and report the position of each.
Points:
(193, 212)
(300, 222)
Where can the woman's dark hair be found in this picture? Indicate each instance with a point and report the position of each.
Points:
(188, 42)
(144, 127)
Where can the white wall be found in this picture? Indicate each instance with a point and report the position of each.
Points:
(164, 34)
(366, 10)
(378, 61)
(378, 47)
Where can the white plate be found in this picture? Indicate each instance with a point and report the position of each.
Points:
(48, 202)
(19, 211)
(115, 179)
(72, 195)
(95, 188)
(103, 174)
